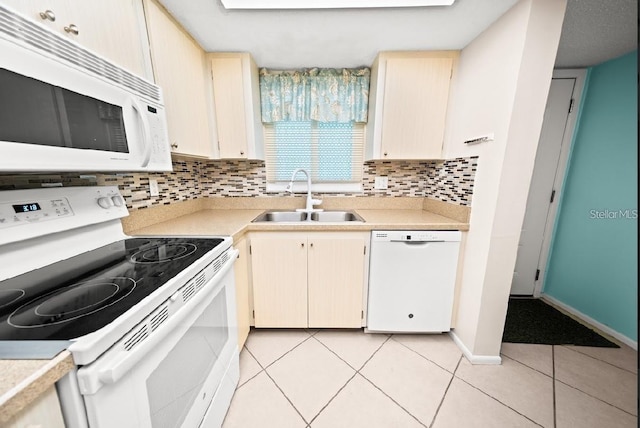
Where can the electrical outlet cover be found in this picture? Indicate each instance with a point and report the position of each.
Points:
(381, 183)
(153, 188)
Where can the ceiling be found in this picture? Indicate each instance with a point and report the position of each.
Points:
(594, 31)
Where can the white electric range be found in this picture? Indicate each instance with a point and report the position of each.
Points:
(150, 321)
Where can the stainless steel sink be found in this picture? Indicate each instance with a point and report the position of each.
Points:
(335, 216)
(319, 216)
(281, 216)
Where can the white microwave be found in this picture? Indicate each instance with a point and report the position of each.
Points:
(65, 108)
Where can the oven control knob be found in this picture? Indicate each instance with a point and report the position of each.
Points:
(104, 202)
(117, 201)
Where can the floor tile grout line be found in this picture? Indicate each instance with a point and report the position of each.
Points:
(257, 362)
(343, 360)
(281, 356)
(553, 379)
(528, 366)
(391, 398)
(336, 354)
(424, 357)
(598, 359)
(286, 397)
(380, 389)
(283, 393)
(433, 420)
(504, 404)
(332, 398)
(373, 354)
(597, 398)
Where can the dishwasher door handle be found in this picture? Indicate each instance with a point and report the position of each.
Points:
(415, 242)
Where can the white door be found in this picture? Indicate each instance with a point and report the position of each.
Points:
(555, 137)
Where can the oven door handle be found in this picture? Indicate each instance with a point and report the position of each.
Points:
(127, 360)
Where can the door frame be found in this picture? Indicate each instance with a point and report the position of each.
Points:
(580, 75)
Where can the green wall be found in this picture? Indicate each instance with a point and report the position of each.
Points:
(592, 266)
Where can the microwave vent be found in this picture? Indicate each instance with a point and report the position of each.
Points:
(21, 30)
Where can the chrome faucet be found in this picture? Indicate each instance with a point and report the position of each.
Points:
(310, 201)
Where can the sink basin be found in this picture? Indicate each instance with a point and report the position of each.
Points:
(335, 216)
(280, 216)
(295, 216)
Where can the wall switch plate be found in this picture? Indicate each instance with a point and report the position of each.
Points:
(382, 183)
(153, 188)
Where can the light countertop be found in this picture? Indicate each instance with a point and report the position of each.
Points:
(22, 381)
(236, 222)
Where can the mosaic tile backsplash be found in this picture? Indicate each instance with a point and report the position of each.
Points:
(448, 181)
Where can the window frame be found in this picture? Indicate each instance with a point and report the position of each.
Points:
(279, 186)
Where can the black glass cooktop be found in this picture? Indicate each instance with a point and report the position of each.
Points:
(80, 295)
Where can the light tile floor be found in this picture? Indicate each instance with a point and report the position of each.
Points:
(346, 378)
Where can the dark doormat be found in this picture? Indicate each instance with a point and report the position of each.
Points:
(533, 321)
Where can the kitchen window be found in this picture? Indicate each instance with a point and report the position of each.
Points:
(314, 119)
(331, 152)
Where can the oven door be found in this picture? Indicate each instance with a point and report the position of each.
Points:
(170, 375)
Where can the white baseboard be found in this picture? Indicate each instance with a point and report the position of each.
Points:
(587, 319)
(475, 359)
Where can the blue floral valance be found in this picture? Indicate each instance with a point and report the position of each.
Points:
(320, 94)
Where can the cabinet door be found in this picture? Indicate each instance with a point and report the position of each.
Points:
(336, 276)
(415, 103)
(43, 412)
(228, 95)
(279, 278)
(179, 69)
(92, 25)
(241, 271)
(117, 33)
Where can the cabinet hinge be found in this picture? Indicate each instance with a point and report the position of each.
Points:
(249, 249)
(537, 274)
(365, 250)
(571, 105)
(253, 314)
(553, 196)
(361, 315)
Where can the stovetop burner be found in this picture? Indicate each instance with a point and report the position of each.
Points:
(82, 294)
(164, 253)
(71, 302)
(9, 296)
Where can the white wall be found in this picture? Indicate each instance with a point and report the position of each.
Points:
(500, 86)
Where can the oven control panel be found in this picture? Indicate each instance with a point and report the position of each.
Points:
(35, 212)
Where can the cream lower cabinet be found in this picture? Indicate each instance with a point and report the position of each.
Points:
(408, 104)
(309, 279)
(243, 285)
(44, 412)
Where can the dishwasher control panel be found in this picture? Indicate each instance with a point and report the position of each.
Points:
(416, 235)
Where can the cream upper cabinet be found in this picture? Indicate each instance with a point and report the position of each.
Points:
(309, 279)
(408, 104)
(180, 70)
(243, 285)
(116, 32)
(236, 101)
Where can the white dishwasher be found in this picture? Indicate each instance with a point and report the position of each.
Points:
(411, 280)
